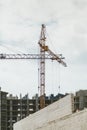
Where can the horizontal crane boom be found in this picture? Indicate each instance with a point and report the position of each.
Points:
(25, 56)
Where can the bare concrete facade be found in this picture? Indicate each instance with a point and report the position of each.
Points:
(49, 117)
(76, 121)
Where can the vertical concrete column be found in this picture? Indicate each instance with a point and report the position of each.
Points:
(21, 106)
(27, 105)
(11, 122)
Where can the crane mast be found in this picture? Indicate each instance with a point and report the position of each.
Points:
(42, 67)
(42, 56)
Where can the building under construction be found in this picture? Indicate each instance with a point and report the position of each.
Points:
(60, 115)
(3, 110)
(80, 100)
(13, 109)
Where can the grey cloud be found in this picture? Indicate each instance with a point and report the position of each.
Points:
(81, 59)
(80, 4)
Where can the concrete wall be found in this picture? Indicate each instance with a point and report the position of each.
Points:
(43, 119)
(76, 121)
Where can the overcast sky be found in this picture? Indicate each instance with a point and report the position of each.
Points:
(66, 27)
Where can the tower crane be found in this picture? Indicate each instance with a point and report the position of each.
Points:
(42, 56)
(43, 49)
